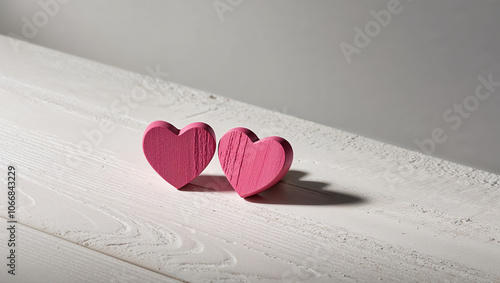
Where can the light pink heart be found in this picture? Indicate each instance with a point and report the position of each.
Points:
(252, 165)
(178, 156)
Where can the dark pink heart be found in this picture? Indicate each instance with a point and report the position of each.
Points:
(178, 156)
(252, 165)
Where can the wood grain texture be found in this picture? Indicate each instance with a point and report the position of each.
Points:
(350, 209)
(178, 156)
(252, 165)
(48, 259)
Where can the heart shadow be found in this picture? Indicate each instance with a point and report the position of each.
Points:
(209, 183)
(291, 190)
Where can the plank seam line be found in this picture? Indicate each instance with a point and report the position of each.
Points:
(97, 251)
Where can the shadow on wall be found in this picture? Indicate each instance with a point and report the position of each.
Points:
(291, 190)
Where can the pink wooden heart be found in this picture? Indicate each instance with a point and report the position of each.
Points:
(252, 165)
(178, 156)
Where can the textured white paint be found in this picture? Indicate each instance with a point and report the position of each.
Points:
(334, 217)
(286, 55)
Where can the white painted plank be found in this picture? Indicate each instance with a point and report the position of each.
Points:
(44, 258)
(342, 213)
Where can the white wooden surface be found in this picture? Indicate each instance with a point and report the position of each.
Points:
(345, 212)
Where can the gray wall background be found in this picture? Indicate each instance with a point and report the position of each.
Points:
(286, 56)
